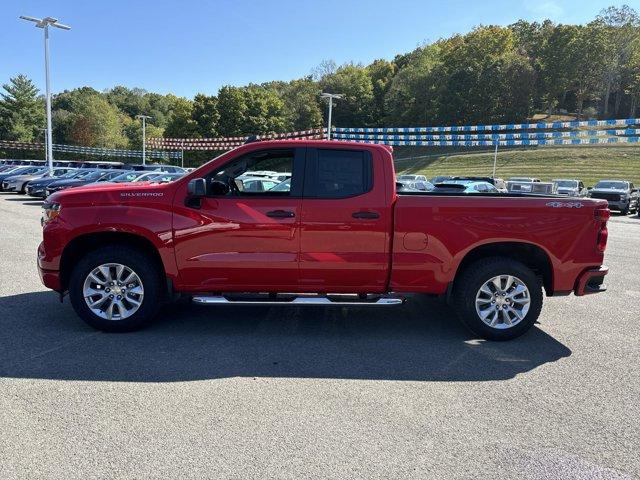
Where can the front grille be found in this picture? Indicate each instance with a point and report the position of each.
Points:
(612, 197)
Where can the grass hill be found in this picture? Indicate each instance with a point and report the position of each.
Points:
(587, 163)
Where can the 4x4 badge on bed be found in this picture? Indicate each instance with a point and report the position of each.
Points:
(565, 204)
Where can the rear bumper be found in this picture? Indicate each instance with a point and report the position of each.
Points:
(591, 281)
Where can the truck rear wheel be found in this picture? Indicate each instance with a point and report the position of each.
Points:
(498, 298)
(115, 289)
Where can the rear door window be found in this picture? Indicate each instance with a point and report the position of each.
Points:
(334, 173)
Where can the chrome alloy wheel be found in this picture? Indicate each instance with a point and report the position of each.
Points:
(113, 291)
(503, 301)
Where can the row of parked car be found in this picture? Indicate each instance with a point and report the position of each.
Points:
(33, 177)
(622, 195)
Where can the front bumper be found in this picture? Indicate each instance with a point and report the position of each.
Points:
(36, 192)
(591, 281)
(618, 205)
(50, 278)
(7, 187)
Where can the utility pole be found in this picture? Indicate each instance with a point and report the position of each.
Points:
(330, 96)
(44, 23)
(495, 159)
(144, 136)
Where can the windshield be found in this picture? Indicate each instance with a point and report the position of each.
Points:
(282, 186)
(126, 177)
(406, 178)
(457, 182)
(614, 185)
(567, 183)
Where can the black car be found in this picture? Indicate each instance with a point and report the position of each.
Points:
(37, 188)
(91, 176)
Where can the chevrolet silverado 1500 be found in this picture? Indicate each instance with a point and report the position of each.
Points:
(336, 232)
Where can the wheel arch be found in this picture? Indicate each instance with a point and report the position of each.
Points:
(531, 255)
(88, 242)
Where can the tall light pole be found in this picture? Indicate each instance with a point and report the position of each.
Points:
(44, 23)
(330, 96)
(144, 136)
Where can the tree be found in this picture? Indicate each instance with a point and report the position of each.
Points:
(411, 94)
(181, 123)
(232, 108)
(356, 108)
(83, 116)
(588, 64)
(205, 114)
(22, 111)
(301, 104)
(621, 29)
(381, 73)
(557, 69)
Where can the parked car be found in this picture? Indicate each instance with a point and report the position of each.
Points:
(499, 183)
(524, 186)
(620, 194)
(37, 188)
(440, 179)
(86, 177)
(465, 186)
(348, 231)
(158, 177)
(18, 183)
(573, 188)
(523, 179)
(26, 170)
(411, 178)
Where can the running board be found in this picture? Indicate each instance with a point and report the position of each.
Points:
(336, 300)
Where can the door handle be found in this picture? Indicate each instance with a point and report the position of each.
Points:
(365, 215)
(281, 214)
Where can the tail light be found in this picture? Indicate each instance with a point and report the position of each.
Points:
(602, 215)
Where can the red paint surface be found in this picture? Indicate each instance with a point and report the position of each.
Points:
(230, 244)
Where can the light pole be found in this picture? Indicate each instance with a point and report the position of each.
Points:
(144, 136)
(330, 96)
(44, 23)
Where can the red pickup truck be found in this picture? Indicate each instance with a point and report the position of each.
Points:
(316, 223)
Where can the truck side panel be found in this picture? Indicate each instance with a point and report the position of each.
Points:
(434, 233)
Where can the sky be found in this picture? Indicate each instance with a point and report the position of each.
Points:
(186, 47)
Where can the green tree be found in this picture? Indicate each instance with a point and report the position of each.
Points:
(22, 111)
(232, 108)
(557, 69)
(356, 108)
(411, 95)
(181, 123)
(381, 73)
(301, 100)
(205, 114)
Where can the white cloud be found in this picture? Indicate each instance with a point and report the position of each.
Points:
(544, 9)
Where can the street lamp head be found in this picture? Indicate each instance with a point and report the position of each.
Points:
(146, 117)
(332, 95)
(43, 22)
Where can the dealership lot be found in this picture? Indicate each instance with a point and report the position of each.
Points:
(283, 392)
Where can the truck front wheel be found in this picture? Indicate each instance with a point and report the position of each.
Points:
(115, 289)
(498, 298)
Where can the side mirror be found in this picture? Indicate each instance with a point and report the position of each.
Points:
(197, 187)
(219, 188)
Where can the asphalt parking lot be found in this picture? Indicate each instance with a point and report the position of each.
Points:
(283, 392)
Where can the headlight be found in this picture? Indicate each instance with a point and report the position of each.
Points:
(50, 211)
(623, 196)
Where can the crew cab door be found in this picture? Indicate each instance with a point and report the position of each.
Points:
(346, 222)
(243, 240)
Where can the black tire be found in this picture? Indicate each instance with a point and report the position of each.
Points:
(146, 269)
(474, 276)
(625, 211)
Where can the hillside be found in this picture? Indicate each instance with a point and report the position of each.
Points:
(588, 163)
